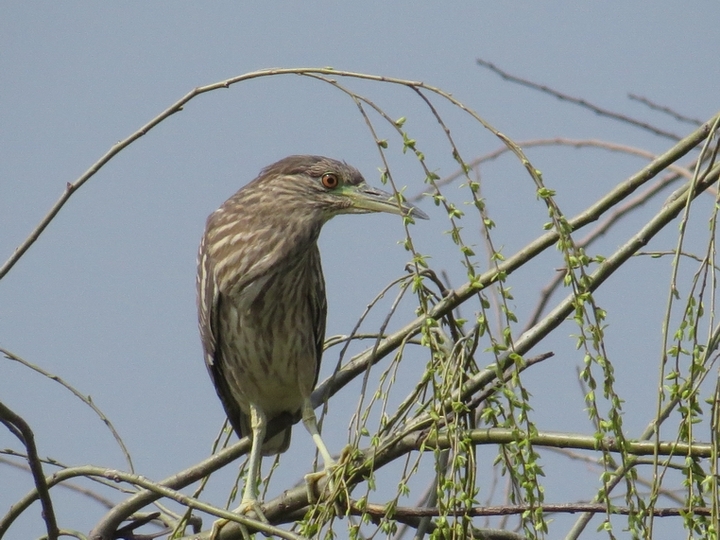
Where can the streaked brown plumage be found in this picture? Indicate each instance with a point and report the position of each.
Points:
(261, 294)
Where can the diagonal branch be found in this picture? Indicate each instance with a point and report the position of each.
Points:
(577, 101)
(457, 296)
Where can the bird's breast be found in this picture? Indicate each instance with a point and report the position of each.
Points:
(268, 346)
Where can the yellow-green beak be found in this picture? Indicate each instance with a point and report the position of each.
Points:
(367, 199)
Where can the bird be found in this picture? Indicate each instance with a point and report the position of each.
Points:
(261, 296)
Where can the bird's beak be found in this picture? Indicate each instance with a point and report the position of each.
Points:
(369, 199)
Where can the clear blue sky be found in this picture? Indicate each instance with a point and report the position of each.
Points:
(106, 296)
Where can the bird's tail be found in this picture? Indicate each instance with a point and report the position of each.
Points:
(277, 444)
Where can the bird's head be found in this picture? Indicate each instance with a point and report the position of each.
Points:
(328, 187)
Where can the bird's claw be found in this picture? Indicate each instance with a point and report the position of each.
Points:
(248, 507)
(345, 455)
(327, 485)
(216, 527)
(312, 485)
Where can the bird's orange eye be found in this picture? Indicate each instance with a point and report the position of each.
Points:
(330, 180)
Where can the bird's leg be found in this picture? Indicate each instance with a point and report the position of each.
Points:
(258, 424)
(310, 421)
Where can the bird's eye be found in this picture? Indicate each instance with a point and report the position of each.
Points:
(330, 180)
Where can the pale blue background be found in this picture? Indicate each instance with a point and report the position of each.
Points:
(105, 298)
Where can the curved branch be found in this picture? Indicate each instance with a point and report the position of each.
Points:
(22, 431)
(555, 141)
(87, 400)
(158, 489)
(176, 107)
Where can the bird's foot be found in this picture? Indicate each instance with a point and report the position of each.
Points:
(217, 526)
(322, 486)
(313, 488)
(346, 455)
(327, 485)
(248, 507)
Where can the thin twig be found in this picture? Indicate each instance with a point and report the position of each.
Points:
(667, 110)
(87, 400)
(104, 501)
(553, 141)
(178, 106)
(598, 232)
(577, 101)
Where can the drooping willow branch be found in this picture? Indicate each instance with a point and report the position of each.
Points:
(442, 308)
(456, 297)
(357, 365)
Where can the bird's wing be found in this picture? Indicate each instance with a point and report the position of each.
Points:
(209, 306)
(318, 301)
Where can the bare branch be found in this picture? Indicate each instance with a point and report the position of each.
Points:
(87, 400)
(577, 101)
(22, 431)
(667, 110)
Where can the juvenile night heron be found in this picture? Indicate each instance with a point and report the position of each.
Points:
(261, 295)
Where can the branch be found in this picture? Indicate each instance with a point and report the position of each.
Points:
(459, 295)
(87, 400)
(136, 480)
(295, 499)
(379, 510)
(667, 110)
(600, 230)
(104, 501)
(554, 141)
(577, 101)
(360, 363)
(22, 431)
(178, 106)
(293, 503)
(579, 442)
(111, 521)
